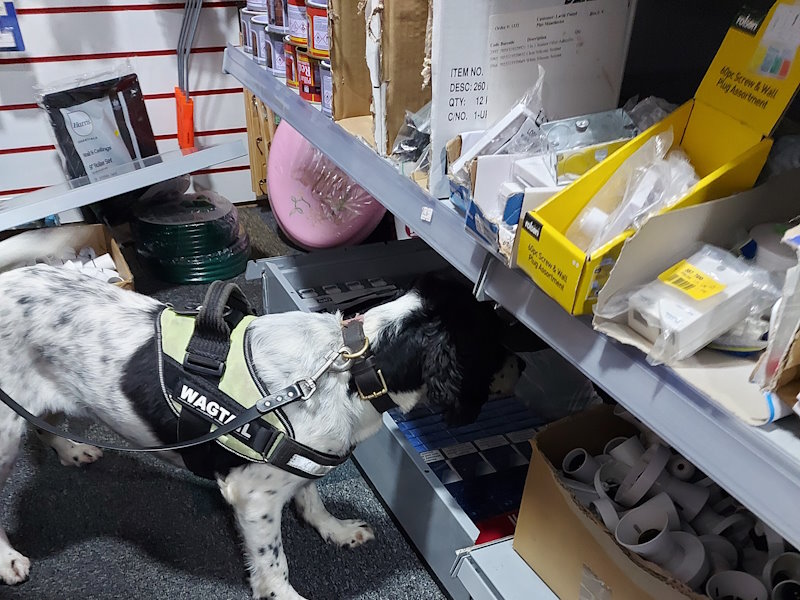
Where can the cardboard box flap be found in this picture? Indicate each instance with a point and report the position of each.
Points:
(756, 71)
(666, 238)
(353, 90)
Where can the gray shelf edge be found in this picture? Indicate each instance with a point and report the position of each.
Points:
(28, 207)
(748, 462)
(494, 571)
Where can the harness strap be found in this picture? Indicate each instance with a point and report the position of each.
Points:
(208, 348)
(301, 460)
(251, 414)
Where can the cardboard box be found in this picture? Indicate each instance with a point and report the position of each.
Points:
(483, 61)
(381, 79)
(563, 542)
(669, 237)
(724, 130)
(21, 248)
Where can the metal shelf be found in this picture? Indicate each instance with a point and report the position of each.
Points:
(759, 466)
(495, 572)
(142, 173)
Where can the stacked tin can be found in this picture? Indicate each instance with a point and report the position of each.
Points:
(264, 24)
(290, 39)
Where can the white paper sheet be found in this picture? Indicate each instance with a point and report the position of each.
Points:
(582, 47)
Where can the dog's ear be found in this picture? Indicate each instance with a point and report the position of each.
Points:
(450, 384)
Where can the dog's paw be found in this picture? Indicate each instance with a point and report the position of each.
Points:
(348, 533)
(14, 567)
(77, 455)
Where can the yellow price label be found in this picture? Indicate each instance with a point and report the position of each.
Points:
(691, 281)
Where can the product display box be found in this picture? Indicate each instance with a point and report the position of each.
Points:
(564, 543)
(377, 82)
(23, 247)
(669, 237)
(724, 130)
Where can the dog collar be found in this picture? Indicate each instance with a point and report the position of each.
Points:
(367, 376)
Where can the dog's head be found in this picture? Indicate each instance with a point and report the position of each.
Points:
(445, 341)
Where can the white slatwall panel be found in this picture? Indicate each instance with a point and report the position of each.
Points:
(64, 39)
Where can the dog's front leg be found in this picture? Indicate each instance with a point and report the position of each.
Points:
(258, 495)
(347, 533)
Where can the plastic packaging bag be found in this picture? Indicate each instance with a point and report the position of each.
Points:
(693, 302)
(517, 132)
(100, 122)
(414, 136)
(650, 190)
(648, 112)
(596, 214)
(340, 198)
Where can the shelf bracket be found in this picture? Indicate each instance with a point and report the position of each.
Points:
(479, 289)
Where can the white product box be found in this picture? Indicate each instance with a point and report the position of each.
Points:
(688, 306)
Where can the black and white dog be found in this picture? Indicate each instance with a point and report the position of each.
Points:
(71, 345)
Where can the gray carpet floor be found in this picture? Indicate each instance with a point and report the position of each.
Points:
(132, 527)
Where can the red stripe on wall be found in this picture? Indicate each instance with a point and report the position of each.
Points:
(19, 191)
(163, 96)
(101, 55)
(167, 95)
(121, 8)
(174, 136)
(222, 170)
(25, 149)
(19, 106)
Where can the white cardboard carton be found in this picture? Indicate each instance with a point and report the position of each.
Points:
(483, 59)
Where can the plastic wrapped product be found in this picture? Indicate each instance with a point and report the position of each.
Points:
(414, 135)
(646, 113)
(581, 142)
(695, 301)
(595, 216)
(100, 123)
(314, 202)
(650, 190)
(518, 132)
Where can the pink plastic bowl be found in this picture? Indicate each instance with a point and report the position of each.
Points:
(314, 203)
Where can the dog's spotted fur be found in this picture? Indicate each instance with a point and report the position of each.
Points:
(70, 345)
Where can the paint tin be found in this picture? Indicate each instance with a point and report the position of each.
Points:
(298, 22)
(290, 60)
(308, 76)
(245, 16)
(318, 42)
(275, 54)
(278, 16)
(326, 87)
(257, 5)
(258, 38)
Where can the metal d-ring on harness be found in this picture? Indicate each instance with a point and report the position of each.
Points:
(228, 300)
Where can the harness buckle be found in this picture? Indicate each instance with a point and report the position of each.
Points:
(383, 391)
(203, 366)
(309, 386)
